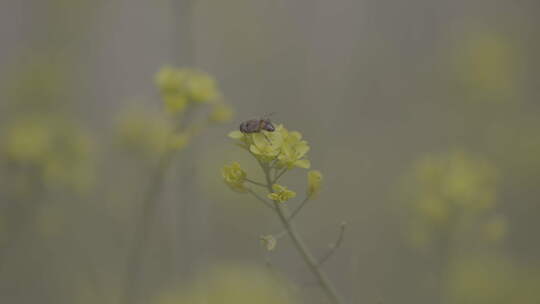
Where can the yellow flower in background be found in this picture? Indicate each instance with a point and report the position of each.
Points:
(57, 150)
(181, 86)
(457, 179)
(201, 87)
(234, 176)
(231, 284)
(179, 141)
(143, 132)
(314, 182)
(221, 113)
(281, 193)
(445, 188)
(487, 65)
(175, 103)
(170, 79)
(28, 141)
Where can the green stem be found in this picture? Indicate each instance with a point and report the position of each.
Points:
(306, 255)
(143, 227)
(255, 183)
(297, 210)
(146, 222)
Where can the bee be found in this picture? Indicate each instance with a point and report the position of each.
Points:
(256, 126)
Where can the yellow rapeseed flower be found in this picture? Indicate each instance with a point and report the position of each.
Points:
(267, 145)
(281, 193)
(234, 176)
(286, 147)
(293, 150)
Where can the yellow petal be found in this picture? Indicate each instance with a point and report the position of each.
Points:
(236, 135)
(255, 150)
(303, 163)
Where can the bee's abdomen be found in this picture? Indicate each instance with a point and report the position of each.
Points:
(250, 126)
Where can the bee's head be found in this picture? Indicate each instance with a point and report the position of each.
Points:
(268, 126)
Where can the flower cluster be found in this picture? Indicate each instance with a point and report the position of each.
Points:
(53, 150)
(283, 147)
(445, 188)
(182, 87)
(277, 152)
(150, 134)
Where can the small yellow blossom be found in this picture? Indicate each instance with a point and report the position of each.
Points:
(314, 182)
(281, 193)
(293, 150)
(266, 144)
(234, 176)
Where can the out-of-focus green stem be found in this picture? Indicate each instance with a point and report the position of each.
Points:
(143, 227)
(149, 206)
(306, 255)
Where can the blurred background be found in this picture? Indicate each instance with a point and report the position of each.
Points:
(422, 115)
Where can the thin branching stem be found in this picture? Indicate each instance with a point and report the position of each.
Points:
(143, 227)
(145, 223)
(306, 255)
(297, 210)
(255, 182)
(336, 245)
(279, 175)
(262, 200)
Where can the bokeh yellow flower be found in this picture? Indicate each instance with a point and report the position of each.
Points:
(221, 112)
(143, 132)
(179, 141)
(314, 182)
(281, 193)
(234, 176)
(201, 87)
(232, 284)
(175, 103)
(59, 152)
(181, 86)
